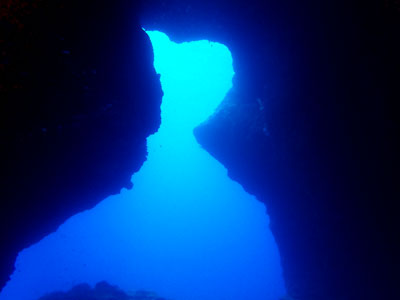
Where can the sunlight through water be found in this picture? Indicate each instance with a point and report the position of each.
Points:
(185, 230)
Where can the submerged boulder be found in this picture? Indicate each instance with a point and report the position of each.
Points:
(102, 291)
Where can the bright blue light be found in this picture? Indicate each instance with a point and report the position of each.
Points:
(201, 70)
(185, 230)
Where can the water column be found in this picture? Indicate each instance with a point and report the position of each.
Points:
(185, 230)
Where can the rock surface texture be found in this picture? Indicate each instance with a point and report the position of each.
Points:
(79, 95)
(310, 127)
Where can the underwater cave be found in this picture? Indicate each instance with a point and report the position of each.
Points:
(185, 229)
(253, 126)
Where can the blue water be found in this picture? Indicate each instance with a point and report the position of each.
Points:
(185, 230)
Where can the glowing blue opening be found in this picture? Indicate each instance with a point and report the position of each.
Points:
(185, 230)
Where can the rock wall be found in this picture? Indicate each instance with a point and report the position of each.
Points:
(310, 128)
(79, 95)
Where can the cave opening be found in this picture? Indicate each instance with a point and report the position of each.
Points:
(185, 229)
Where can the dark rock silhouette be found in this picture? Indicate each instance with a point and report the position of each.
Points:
(101, 291)
(79, 95)
(311, 128)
